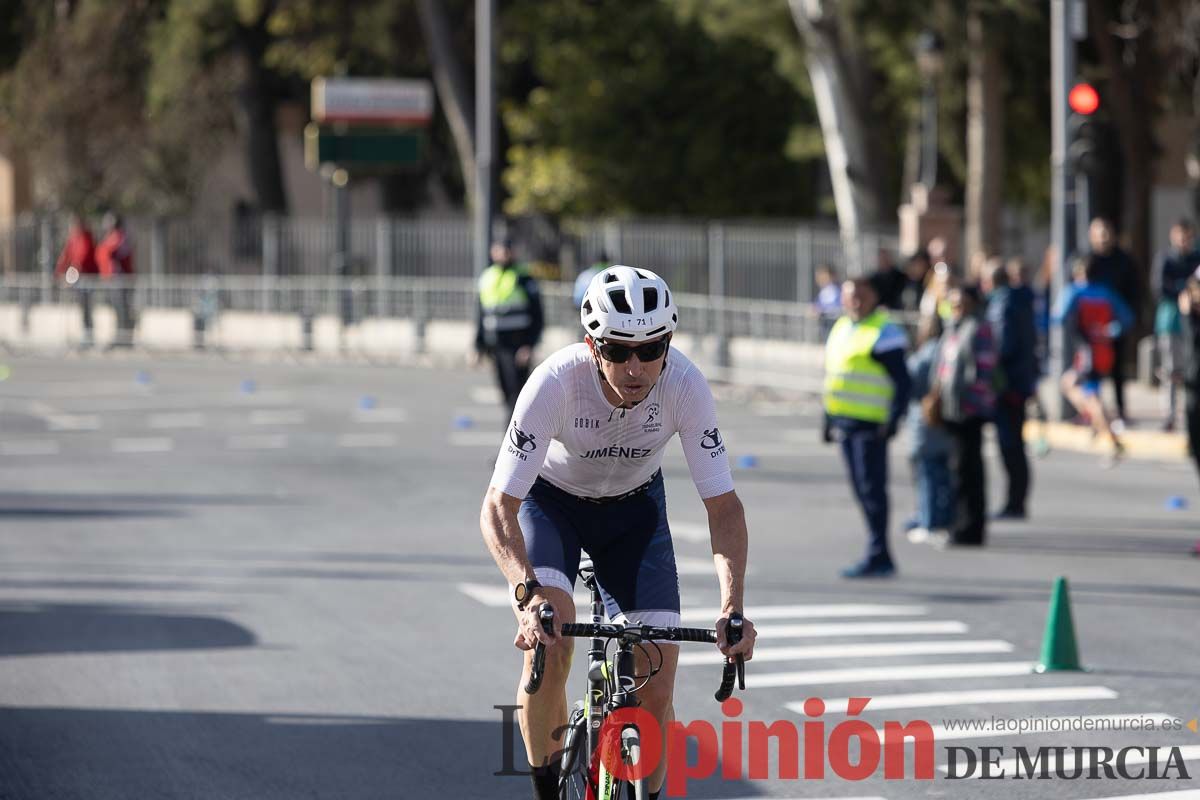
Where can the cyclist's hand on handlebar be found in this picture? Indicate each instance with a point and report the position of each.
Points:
(529, 625)
(745, 647)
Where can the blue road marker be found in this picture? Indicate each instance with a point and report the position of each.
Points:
(366, 403)
(747, 462)
(462, 422)
(142, 377)
(249, 386)
(1176, 503)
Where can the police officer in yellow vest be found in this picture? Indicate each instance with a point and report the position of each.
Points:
(510, 320)
(866, 392)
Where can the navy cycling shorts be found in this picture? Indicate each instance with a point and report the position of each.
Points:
(628, 540)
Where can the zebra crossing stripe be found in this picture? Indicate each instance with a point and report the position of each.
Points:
(802, 611)
(893, 672)
(859, 629)
(865, 650)
(1045, 694)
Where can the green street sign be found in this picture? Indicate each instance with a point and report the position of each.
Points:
(377, 148)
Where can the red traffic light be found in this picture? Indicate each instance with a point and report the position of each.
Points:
(1083, 99)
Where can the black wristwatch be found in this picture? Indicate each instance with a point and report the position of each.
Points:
(524, 590)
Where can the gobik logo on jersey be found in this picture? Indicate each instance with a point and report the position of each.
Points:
(712, 441)
(522, 442)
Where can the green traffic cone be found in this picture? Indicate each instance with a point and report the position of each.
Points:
(1059, 652)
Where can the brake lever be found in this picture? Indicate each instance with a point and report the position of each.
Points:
(546, 614)
(735, 666)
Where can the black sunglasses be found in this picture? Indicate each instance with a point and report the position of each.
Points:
(620, 353)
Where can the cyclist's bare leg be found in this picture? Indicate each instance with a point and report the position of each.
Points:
(543, 715)
(656, 698)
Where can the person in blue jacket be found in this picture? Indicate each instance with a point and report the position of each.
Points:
(1094, 318)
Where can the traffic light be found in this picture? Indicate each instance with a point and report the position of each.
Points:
(1082, 129)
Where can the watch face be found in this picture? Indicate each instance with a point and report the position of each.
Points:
(521, 592)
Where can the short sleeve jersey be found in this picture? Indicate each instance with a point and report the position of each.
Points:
(566, 431)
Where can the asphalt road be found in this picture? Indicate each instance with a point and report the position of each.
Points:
(225, 579)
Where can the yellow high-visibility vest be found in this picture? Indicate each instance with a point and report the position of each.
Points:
(856, 385)
(500, 290)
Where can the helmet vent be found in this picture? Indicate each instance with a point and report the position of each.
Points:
(593, 325)
(587, 306)
(649, 298)
(617, 298)
(610, 277)
(667, 294)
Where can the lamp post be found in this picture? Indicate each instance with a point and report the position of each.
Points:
(930, 60)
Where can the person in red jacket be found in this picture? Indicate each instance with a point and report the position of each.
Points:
(77, 267)
(114, 257)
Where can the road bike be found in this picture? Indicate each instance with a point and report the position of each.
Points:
(589, 746)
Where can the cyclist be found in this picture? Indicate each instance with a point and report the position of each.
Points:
(580, 468)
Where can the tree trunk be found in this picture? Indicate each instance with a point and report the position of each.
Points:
(842, 125)
(1132, 94)
(455, 94)
(257, 125)
(985, 140)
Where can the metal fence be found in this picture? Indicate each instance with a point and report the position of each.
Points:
(420, 299)
(735, 259)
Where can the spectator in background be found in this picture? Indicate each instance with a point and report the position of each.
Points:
(1010, 315)
(510, 320)
(1189, 310)
(1116, 270)
(890, 280)
(916, 271)
(965, 400)
(584, 278)
(929, 443)
(76, 267)
(1172, 268)
(828, 303)
(1095, 317)
(935, 300)
(114, 259)
(866, 394)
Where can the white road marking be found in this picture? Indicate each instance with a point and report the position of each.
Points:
(186, 419)
(31, 447)
(485, 395)
(690, 531)
(499, 596)
(150, 444)
(367, 440)
(815, 610)
(862, 650)
(859, 629)
(893, 672)
(1046, 724)
(270, 441)
(686, 565)
(1009, 766)
(380, 415)
(476, 439)
(72, 422)
(1186, 794)
(277, 416)
(1047, 694)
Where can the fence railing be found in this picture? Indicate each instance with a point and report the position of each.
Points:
(734, 259)
(422, 300)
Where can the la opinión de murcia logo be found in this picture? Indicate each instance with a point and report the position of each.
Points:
(827, 752)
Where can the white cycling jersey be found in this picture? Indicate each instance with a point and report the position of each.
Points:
(564, 429)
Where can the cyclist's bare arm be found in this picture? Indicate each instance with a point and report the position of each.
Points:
(502, 533)
(727, 529)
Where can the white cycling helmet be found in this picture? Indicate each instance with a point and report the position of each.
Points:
(627, 304)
